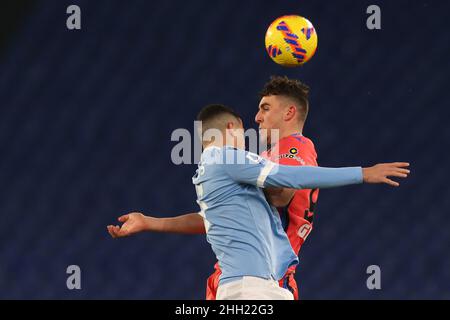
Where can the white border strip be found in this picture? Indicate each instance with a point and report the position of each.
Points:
(264, 173)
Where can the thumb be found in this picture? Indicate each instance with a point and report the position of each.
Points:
(124, 218)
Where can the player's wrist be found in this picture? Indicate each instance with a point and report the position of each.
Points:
(364, 174)
(152, 224)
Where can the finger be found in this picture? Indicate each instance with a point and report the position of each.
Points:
(391, 182)
(111, 232)
(401, 170)
(116, 231)
(392, 168)
(397, 174)
(124, 218)
(400, 164)
(122, 231)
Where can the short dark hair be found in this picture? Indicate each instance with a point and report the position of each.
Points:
(212, 111)
(211, 116)
(290, 88)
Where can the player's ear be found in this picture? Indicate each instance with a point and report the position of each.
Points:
(229, 131)
(290, 113)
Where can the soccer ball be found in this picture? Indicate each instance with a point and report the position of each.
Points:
(291, 41)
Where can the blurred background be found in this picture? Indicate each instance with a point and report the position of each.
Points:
(86, 118)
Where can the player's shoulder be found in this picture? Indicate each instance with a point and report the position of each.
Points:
(297, 150)
(228, 155)
(212, 155)
(297, 143)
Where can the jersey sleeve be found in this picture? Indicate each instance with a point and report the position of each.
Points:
(249, 168)
(246, 167)
(309, 177)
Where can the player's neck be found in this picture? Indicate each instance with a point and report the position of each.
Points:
(219, 145)
(287, 132)
(212, 144)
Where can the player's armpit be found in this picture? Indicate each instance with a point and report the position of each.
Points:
(279, 197)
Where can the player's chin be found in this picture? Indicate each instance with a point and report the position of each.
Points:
(264, 138)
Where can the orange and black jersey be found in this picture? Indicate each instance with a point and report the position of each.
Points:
(297, 216)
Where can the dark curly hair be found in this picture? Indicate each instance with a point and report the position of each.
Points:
(290, 88)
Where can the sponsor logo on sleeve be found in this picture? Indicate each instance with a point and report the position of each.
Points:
(292, 155)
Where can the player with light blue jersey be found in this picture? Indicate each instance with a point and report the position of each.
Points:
(245, 232)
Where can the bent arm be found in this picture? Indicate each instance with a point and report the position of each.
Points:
(191, 223)
(136, 222)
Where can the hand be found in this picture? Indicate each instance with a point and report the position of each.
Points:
(380, 173)
(132, 223)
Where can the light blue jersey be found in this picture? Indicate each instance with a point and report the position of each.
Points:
(244, 231)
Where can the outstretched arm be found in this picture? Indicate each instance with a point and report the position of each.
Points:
(132, 223)
(263, 173)
(280, 197)
(318, 177)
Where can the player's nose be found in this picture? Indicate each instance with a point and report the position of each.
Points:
(258, 117)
